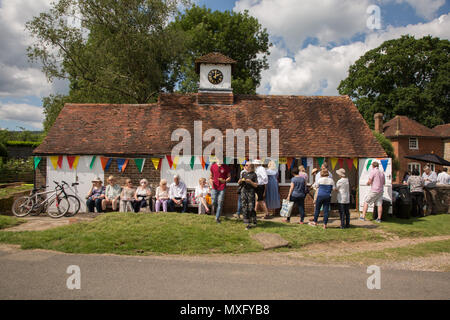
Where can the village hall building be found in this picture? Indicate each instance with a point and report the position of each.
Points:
(135, 140)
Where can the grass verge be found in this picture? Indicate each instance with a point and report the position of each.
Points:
(433, 225)
(7, 221)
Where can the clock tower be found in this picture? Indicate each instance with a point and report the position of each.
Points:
(215, 79)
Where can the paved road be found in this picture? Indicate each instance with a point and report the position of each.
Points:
(42, 275)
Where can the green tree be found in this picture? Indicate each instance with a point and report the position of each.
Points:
(389, 149)
(236, 35)
(110, 51)
(405, 76)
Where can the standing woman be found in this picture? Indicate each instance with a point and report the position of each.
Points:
(249, 183)
(343, 198)
(142, 197)
(325, 186)
(261, 189)
(272, 193)
(201, 191)
(297, 193)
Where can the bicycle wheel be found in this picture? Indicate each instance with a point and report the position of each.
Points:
(62, 206)
(22, 206)
(75, 204)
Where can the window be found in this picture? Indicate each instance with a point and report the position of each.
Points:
(413, 166)
(413, 143)
(432, 167)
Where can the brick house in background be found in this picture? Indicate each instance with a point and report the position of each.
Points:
(309, 127)
(409, 138)
(444, 132)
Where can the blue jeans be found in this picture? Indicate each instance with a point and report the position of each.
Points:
(239, 205)
(325, 202)
(171, 205)
(97, 203)
(217, 201)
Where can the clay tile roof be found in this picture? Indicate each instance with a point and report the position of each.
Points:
(213, 58)
(406, 127)
(308, 126)
(443, 130)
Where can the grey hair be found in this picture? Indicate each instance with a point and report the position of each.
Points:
(176, 176)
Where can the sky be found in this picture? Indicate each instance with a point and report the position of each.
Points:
(314, 43)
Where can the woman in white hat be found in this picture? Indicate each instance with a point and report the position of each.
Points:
(343, 198)
(95, 196)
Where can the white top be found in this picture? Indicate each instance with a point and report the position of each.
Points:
(318, 176)
(432, 177)
(443, 178)
(177, 191)
(160, 194)
(343, 188)
(262, 175)
(201, 192)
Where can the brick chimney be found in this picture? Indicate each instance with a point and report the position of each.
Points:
(215, 79)
(378, 122)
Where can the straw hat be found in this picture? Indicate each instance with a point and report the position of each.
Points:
(341, 172)
(97, 180)
(314, 170)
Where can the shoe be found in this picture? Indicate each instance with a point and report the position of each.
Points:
(342, 227)
(362, 218)
(301, 222)
(378, 220)
(218, 221)
(286, 220)
(324, 226)
(312, 223)
(247, 227)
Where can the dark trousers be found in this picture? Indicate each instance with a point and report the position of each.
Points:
(417, 203)
(248, 206)
(138, 204)
(325, 202)
(344, 214)
(300, 202)
(97, 203)
(172, 205)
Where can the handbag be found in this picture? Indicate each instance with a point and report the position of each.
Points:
(286, 208)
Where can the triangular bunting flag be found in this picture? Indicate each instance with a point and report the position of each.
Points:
(70, 161)
(384, 163)
(355, 162)
(289, 162)
(202, 159)
(368, 164)
(341, 162)
(175, 161)
(304, 162)
(320, 161)
(36, 161)
(349, 163)
(122, 164)
(155, 162)
(106, 162)
(192, 162)
(169, 160)
(75, 162)
(60, 160)
(139, 164)
(92, 162)
(333, 163)
(206, 165)
(54, 161)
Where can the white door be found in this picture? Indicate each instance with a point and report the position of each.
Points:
(364, 189)
(83, 174)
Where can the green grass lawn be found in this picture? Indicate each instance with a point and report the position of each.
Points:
(7, 221)
(172, 233)
(433, 225)
(10, 190)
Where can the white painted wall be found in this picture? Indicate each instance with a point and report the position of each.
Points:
(188, 176)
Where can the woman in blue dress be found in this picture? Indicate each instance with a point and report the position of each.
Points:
(272, 192)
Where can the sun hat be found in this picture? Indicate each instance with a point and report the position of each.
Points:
(341, 172)
(314, 170)
(97, 180)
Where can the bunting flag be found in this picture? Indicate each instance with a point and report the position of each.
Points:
(175, 162)
(241, 160)
(355, 162)
(170, 161)
(384, 163)
(333, 163)
(292, 164)
(349, 163)
(320, 161)
(36, 161)
(283, 160)
(60, 161)
(106, 162)
(192, 162)
(304, 162)
(341, 162)
(289, 162)
(155, 162)
(73, 161)
(54, 161)
(122, 164)
(92, 162)
(310, 162)
(206, 165)
(368, 164)
(139, 164)
(202, 160)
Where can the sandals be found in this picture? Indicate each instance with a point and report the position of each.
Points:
(312, 223)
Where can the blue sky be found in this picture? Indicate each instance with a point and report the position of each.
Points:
(314, 43)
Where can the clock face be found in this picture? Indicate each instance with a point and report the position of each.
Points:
(215, 76)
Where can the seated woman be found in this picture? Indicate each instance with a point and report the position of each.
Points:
(142, 196)
(127, 196)
(112, 195)
(162, 196)
(95, 196)
(201, 191)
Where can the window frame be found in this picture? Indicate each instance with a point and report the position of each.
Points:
(416, 140)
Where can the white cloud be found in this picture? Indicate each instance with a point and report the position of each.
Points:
(29, 114)
(319, 70)
(296, 21)
(424, 8)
